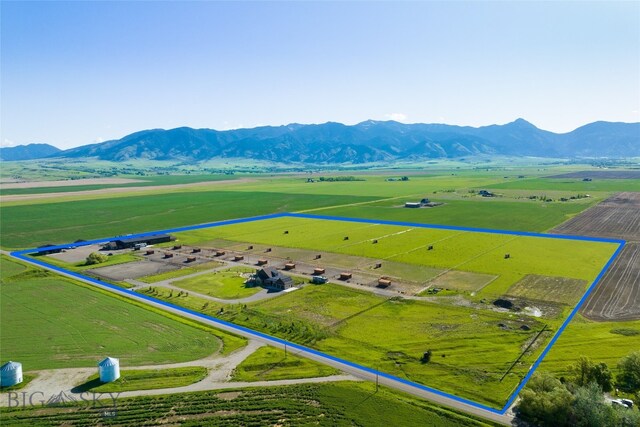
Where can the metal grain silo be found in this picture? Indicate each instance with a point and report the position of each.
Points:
(10, 374)
(109, 369)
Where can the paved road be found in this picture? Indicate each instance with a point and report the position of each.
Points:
(355, 371)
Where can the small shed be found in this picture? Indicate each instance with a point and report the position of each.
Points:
(150, 252)
(262, 261)
(250, 247)
(378, 265)
(317, 271)
(220, 253)
(168, 255)
(345, 276)
(191, 259)
(384, 282)
(109, 369)
(196, 250)
(177, 247)
(238, 257)
(318, 256)
(289, 266)
(10, 374)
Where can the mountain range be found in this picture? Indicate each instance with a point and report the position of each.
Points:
(27, 152)
(369, 141)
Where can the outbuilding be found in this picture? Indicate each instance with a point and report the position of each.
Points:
(10, 374)
(109, 369)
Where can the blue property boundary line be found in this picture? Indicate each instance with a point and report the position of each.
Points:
(22, 254)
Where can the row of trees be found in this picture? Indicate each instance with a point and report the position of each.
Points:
(579, 400)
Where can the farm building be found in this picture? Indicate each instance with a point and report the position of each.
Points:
(44, 250)
(412, 205)
(109, 369)
(269, 277)
(131, 242)
(345, 276)
(10, 374)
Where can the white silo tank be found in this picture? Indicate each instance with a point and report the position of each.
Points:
(10, 374)
(109, 369)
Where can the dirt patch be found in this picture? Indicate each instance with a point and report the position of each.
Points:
(617, 296)
(617, 217)
(70, 183)
(609, 174)
(560, 290)
(132, 270)
(229, 395)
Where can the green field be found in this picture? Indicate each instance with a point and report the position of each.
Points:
(146, 379)
(269, 363)
(570, 184)
(28, 223)
(75, 326)
(27, 226)
(341, 404)
(226, 284)
(601, 341)
(452, 249)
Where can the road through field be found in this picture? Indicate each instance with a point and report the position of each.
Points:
(360, 372)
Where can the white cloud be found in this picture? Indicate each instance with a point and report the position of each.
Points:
(398, 117)
(7, 143)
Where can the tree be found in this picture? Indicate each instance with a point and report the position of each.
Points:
(589, 408)
(585, 372)
(582, 371)
(601, 375)
(545, 401)
(96, 258)
(629, 377)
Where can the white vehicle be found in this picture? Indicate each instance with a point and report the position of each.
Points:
(627, 402)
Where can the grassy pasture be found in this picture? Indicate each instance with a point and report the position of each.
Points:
(34, 225)
(494, 214)
(392, 336)
(146, 379)
(75, 326)
(601, 341)
(462, 281)
(452, 249)
(226, 284)
(269, 364)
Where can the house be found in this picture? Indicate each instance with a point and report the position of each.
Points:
(269, 277)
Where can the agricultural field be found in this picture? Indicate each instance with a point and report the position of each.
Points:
(65, 218)
(618, 295)
(31, 225)
(225, 284)
(601, 174)
(74, 326)
(345, 404)
(617, 217)
(269, 363)
(475, 347)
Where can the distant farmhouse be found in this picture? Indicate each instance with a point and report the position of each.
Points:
(422, 203)
(269, 277)
(485, 193)
(133, 241)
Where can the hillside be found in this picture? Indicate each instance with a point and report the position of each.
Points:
(27, 152)
(369, 141)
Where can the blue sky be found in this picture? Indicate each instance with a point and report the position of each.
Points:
(74, 73)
